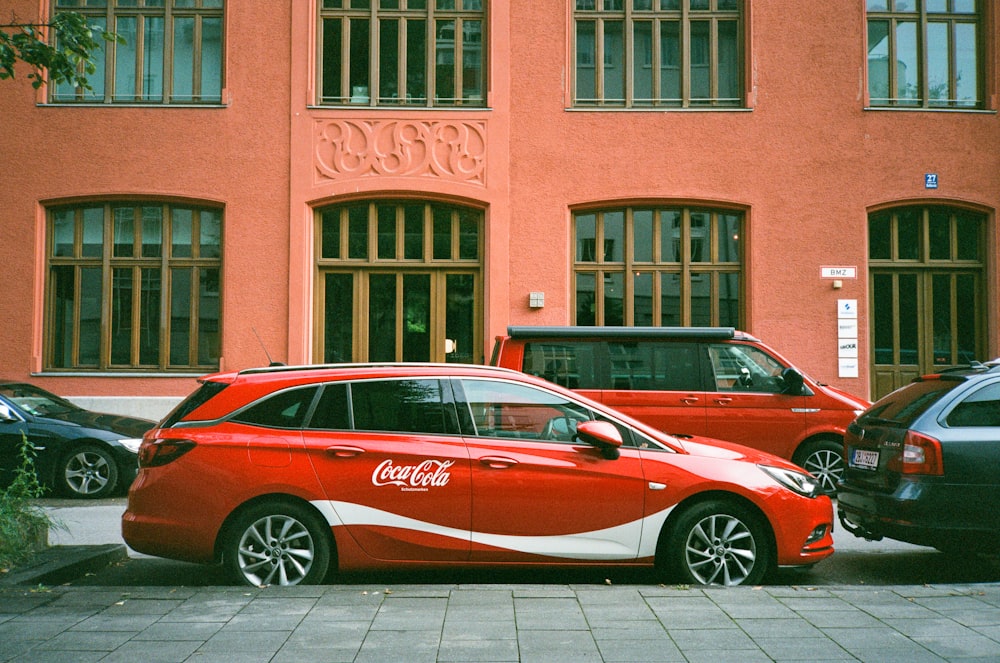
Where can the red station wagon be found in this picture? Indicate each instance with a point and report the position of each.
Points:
(284, 473)
(712, 381)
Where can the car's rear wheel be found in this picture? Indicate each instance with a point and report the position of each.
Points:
(89, 472)
(824, 459)
(277, 543)
(718, 543)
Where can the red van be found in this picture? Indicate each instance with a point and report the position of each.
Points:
(708, 381)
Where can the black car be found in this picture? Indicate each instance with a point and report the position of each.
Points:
(922, 463)
(79, 453)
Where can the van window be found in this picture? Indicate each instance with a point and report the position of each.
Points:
(745, 368)
(654, 366)
(568, 364)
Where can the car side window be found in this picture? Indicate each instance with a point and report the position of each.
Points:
(654, 366)
(980, 408)
(333, 411)
(508, 410)
(745, 368)
(285, 409)
(402, 406)
(568, 364)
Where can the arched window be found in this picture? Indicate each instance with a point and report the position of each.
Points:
(399, 281)
(133, 285)
(652, 266)
(927, 271)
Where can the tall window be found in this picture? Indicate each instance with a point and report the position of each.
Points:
(172, 52)
(133, 286)
(658, 266)
(925, 53)
(658, 53)
(399, 280)
(401, 52)
(927, 278)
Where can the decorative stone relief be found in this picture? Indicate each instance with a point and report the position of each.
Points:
(348, 149)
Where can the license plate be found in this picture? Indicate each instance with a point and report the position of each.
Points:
(864, 459)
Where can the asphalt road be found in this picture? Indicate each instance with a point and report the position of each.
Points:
(856, 562)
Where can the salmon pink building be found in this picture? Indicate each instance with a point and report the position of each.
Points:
(399, 180)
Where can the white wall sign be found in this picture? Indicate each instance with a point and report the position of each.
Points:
(848, 348)
(847, 337)
(847, 308)
(848, 368)
(838, 272)
(847, 328)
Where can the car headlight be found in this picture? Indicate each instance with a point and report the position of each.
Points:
(797, 482)
(132, 444)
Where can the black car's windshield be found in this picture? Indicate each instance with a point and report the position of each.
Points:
(35, 401)
(903, 406)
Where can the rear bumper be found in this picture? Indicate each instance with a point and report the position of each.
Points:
(916, 512)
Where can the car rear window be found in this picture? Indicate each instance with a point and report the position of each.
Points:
(903, 406)
(286, 409)
(206, 392)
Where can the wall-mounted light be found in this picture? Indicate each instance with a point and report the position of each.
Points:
(536, 299)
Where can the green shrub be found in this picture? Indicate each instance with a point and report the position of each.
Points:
(20, 520)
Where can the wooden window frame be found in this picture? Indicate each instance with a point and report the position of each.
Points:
(685, 268)
(109, 263)
(438, 268)
(623, 11)
(168, 12)
(431, 16)
(923, 268)
(922, 18)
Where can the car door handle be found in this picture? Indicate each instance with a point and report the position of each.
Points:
(498, 462)
(723, 401)
(689, 400)
(344, 452)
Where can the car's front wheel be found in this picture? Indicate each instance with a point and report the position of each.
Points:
(718, 543)
(277, 543)
(824, 459)
(89, 472)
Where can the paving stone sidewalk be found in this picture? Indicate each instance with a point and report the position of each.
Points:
(467, 623)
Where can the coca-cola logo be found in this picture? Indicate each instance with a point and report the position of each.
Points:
(418, 477)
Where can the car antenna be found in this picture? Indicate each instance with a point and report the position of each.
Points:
(270, 362)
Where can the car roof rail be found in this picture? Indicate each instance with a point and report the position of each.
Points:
(629, 332)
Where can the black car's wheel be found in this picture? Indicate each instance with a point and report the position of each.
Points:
(824, 459)
(277, 543)
(89, 472)
(718, 543)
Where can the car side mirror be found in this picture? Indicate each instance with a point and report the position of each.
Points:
(792, 382)
(601, 434)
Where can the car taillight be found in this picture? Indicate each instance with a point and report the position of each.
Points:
(154, 453)
(921, 455)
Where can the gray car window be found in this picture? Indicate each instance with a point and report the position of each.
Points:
(980, 408)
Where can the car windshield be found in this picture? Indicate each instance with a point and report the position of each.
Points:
(35, 401)
(903, 406)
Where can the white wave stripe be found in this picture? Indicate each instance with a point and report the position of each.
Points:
(621, 542)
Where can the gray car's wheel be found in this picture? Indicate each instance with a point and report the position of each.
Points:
(89, 472)
(277, 543)
(718, 543)
(824, 459)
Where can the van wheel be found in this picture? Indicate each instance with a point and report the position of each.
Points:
(276, 543)
(718, 543)
(824, 459)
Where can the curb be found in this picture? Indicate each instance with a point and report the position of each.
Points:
(56, 565)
